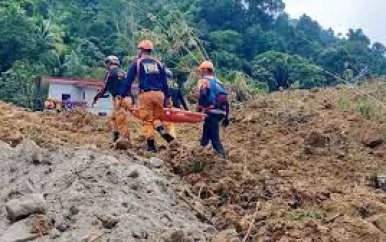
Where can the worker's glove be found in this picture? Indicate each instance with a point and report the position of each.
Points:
(93, 103)
(225, 122)
(169, 103)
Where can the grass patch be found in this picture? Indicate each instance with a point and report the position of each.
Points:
(344, 103)
(366, 109)
(197, 166)
(306, 214)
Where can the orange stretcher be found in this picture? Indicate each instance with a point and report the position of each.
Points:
(175, 115)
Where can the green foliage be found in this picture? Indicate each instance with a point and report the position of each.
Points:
(283, 70)
(198, 166)
(254, 38)
(90, 54)
(246, 83)
(344, 103)
(278, 65)
(306, 214)
(19, 39)
(226, 40)
(358, 36)
(262, 75)
(18, 84)
(366, 108)
(74, 66)
(226, 61)
(307, 75)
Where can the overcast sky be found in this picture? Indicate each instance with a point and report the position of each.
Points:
(370, 15)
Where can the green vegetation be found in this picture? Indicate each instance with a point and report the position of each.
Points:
(255, 38)
(198, 167)
(367, 102)
(344, 103)
(306, 214)
(366, 108)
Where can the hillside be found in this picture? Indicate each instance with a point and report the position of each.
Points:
(258, 39)
(299, 169)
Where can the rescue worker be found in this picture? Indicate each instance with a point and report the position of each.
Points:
(114, 84)
(49, 104)
(176, 96)
(153, 89)
(176, 100)
(67, 104)
(213, 101)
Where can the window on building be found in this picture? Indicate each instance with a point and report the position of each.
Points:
(66, 97)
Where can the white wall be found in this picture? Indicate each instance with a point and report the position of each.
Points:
(56, 90)
(80, 94)
(103, 105)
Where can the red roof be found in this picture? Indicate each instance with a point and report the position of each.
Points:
(73, 81)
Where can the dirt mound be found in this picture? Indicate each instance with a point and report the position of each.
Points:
(301, 167)
(89, 193)
(298, 171)
(48, 129)
(51, 129)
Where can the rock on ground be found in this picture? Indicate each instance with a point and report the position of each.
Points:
(373, 142)
(82, 184)
(25, 206)
(156, 162)
(18, 232)
(229, 235)
(29, 151)
(379, 221)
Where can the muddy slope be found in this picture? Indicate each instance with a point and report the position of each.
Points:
(300, 167)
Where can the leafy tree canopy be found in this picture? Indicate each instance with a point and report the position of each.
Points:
(254, 38)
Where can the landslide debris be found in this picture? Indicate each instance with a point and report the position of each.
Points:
(297, 170)
(84, 194)
(303, 166)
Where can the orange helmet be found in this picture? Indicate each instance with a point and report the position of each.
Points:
(146, 45)
(206, 65)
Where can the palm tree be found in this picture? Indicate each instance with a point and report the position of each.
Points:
(50, 33)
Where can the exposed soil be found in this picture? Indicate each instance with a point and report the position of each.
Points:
(299, 161)
(298, 168)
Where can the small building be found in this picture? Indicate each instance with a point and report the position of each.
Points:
(79, 92)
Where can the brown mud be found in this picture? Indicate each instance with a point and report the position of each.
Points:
(298, 167)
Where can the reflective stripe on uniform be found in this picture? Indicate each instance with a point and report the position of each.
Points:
(216, 111)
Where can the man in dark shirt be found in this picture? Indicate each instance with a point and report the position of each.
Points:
(176, 100)
(114, 84)
(175, 92)
(153, 90)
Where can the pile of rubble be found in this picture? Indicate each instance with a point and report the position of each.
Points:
(82, 194)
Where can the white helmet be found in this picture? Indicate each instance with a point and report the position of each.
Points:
(112, 59)
(169, 73)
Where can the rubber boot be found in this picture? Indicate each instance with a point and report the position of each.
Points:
(165, 135)
(151, 146)
(116, 136)
(223, 157)
(221, 153)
